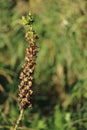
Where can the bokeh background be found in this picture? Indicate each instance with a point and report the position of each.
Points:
(60, 85)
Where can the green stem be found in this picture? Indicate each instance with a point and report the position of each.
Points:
(18, 120)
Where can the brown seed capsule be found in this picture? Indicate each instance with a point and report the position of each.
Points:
(27, 73)
(27, 87)
(31, 55)
(30, 78)
(30, 83)
(30, 106)
(22, 83)
(19, 86)
(30, 71)
(20, 95)
(21, 75)
(22, 91)
(30, 50)
(25, 100)
(27, 96)
(30, 92)
(25, 79)
(26, 59)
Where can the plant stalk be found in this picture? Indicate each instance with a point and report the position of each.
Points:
(18, 120)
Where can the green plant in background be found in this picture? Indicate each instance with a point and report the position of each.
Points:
(60, 91)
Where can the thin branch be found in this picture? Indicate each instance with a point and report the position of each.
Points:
(19, 128)
(76, 121)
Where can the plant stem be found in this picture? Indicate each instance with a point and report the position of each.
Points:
(75, 122)
(18, 120)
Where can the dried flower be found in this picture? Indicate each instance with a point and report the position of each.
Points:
(26, 75)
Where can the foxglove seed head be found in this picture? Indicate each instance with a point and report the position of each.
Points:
(26, 75)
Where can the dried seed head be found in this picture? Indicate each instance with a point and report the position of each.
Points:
(26, 75)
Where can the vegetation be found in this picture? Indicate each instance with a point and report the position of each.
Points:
(60, 85)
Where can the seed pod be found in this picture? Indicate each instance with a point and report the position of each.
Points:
(26, 75)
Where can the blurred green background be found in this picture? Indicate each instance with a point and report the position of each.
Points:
(60, 85)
